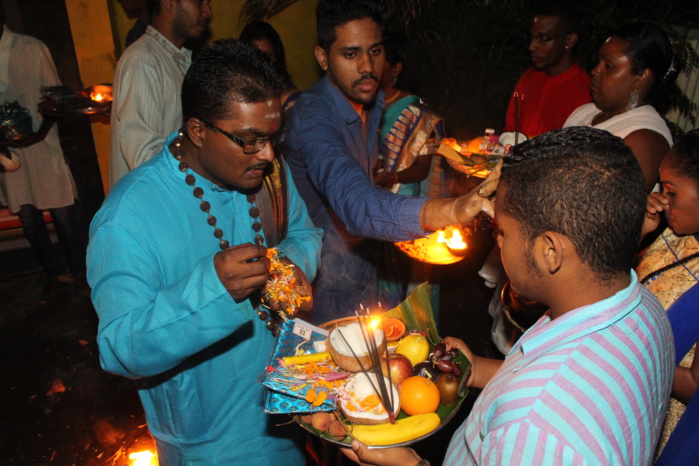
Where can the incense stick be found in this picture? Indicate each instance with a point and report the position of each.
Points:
(370, 342)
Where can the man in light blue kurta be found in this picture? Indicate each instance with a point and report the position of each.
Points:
(166, 317)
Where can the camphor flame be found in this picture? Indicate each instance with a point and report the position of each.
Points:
(456, 241)
(97, 97)
(143, 458)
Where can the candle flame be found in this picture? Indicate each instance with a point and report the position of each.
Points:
(143, 458)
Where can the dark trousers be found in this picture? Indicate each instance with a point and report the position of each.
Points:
(65, 220)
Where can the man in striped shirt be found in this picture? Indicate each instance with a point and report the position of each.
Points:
(147, 107)
(589, 382)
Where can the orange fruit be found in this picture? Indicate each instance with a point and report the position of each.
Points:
(418, 395)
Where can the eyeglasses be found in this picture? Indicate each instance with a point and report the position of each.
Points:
(249, 146)
(543, 38)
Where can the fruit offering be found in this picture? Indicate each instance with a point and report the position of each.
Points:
(415, 347)
(443, 359)
(423, 383)
(418, 395)
(403, 430)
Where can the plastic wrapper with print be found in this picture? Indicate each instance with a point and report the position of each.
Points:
(15, 122)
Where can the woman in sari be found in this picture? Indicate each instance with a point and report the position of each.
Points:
(669, 268)
(409, 136)
(410, 131)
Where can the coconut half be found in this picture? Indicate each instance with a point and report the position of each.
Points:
(341, 352)
(361, 405)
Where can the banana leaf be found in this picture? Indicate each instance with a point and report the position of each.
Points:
(416, 313)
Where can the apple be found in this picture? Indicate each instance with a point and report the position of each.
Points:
(399, 367)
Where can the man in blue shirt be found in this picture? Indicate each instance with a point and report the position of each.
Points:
(332, 149)
(176, 304)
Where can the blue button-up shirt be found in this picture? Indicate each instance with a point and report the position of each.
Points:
(332, 159)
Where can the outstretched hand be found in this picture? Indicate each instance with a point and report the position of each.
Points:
(242, 269)
(478, 200)
(399, 456)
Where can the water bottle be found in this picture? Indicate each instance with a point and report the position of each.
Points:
(487, 143)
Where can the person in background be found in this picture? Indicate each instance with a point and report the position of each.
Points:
(409, 135)
(635, 69)
(598, 365)
(669, 268)
(332, 150)
(138, 10)
(43, 180)
(555, 85)
(410, 130)
(146, 106)
(177, 306)
(265, 38)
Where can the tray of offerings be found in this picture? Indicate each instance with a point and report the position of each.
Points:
(375, 377)
(469, 163)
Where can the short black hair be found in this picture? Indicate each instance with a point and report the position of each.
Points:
(331, 14)
(262, 30)
(566, 11)
(581, 182)
(684, 156)
(227, 71)
(649, 47)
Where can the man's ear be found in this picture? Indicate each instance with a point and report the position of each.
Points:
(321, 57)
(571, 40)
(194, 130)
(551, 249)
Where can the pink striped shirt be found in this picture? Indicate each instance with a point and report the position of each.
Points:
(590, 387)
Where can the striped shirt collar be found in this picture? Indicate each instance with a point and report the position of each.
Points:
(546, 334)
(181, 56)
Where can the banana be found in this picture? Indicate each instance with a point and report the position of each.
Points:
(402, 431)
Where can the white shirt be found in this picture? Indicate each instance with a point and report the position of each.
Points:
(44, 179)
(147, 105)
(644, 117)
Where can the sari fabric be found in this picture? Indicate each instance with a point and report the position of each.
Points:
(672, 288)
(408, 130)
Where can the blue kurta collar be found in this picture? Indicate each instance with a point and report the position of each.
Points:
(547, 335)
(174, 166)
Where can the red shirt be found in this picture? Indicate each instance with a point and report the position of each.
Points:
(545, 102)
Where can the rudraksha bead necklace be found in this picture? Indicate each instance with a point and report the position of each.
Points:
(271, 324)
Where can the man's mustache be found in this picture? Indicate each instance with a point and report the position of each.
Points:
(366, 77)
(258, 166)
